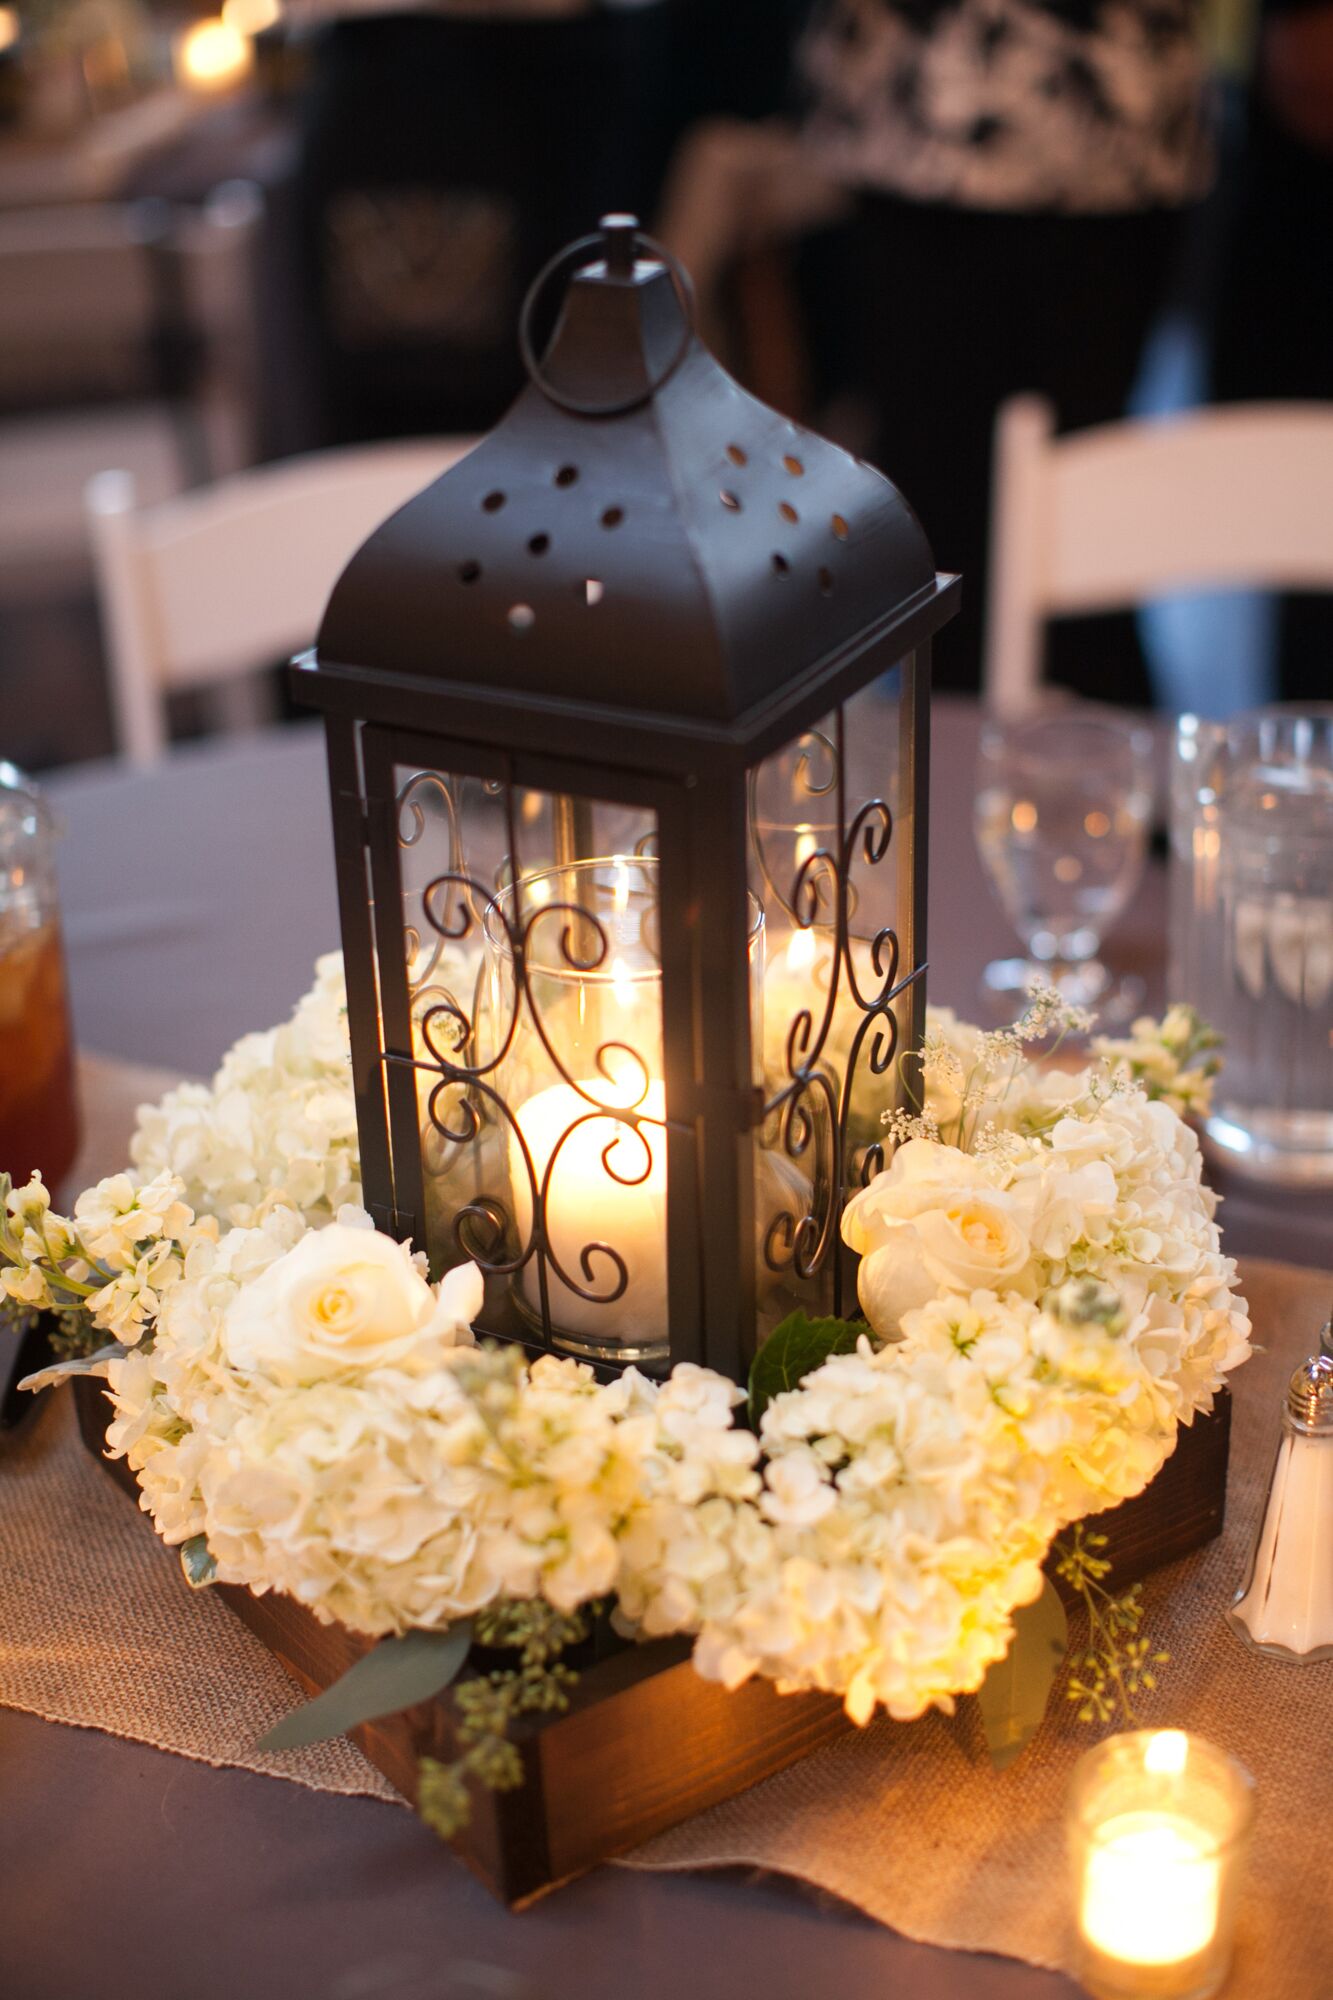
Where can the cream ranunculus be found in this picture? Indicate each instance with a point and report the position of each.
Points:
(343, 1301)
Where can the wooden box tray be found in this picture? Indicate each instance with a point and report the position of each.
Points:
(645, 1742)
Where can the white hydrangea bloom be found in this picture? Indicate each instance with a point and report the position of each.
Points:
(1056, 1300)
(277, 1125)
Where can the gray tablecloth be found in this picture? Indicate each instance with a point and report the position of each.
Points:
(196, 898)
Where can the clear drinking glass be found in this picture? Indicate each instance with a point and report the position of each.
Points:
(39, 1120)
(1252, 930)
(1063, 808)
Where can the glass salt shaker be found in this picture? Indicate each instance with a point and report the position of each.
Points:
(1284, 1609)
(39, 1118)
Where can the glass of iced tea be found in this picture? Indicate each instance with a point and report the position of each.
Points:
(39, 1118)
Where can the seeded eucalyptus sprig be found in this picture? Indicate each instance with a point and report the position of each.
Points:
(486, 1706)
(1119, 1660)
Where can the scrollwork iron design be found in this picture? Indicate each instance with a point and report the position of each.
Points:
(811, 1106)
(464, 1098)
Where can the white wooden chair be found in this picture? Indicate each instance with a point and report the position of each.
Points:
(1239, 496)
(210, 586)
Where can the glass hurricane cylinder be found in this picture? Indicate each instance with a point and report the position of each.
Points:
(585, 1102)
(1251, 930)
(1157, 1826)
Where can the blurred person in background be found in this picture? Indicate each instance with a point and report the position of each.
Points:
(1273, 330)
(446, 152)
(1021, 168)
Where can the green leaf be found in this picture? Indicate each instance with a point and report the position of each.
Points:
(1014, 1694)
(396, 1674)
(794, 1350)
(198, 1562)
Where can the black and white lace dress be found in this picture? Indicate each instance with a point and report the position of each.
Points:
(1092, 106)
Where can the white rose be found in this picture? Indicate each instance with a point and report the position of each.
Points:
(345, 1300)
(933, 1222)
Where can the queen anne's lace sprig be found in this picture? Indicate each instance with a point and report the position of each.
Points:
(1053, 1302)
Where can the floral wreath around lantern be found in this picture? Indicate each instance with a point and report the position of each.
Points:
(1045, 1300)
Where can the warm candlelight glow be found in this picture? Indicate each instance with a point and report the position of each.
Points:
(1151, 1892)
(212, 55)
(9, 27)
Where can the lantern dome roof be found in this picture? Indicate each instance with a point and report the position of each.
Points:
(637, 532)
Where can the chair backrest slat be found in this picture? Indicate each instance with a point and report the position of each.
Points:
(235, 576)
(1105, 519)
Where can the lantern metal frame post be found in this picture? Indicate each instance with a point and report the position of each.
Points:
(634, 591)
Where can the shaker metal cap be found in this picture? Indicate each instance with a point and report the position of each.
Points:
(1310, 1395)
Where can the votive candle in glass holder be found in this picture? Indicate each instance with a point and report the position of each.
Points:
(1158, 1824)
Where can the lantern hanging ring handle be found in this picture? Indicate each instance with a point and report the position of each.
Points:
(618, 240)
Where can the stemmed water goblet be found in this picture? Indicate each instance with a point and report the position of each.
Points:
(1064, 800)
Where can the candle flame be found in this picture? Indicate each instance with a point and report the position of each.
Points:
(622, 985)
(620, 893)
(1166, 1752)
(801, 951)
(805, 844)
(212, 56)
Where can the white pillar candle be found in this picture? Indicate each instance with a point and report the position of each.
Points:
(1151, 1890)
(619, 1199)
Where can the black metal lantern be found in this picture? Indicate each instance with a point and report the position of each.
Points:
(627, 722)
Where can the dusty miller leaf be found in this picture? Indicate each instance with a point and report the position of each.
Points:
(794, 1350)
(396, 1674)
(63, 1371)
(1014, 1694)
(198, 1562)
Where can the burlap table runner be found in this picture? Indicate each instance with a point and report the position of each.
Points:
(908, 1822)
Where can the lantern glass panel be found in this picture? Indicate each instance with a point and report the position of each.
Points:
(832, 853)
(537, 1103)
